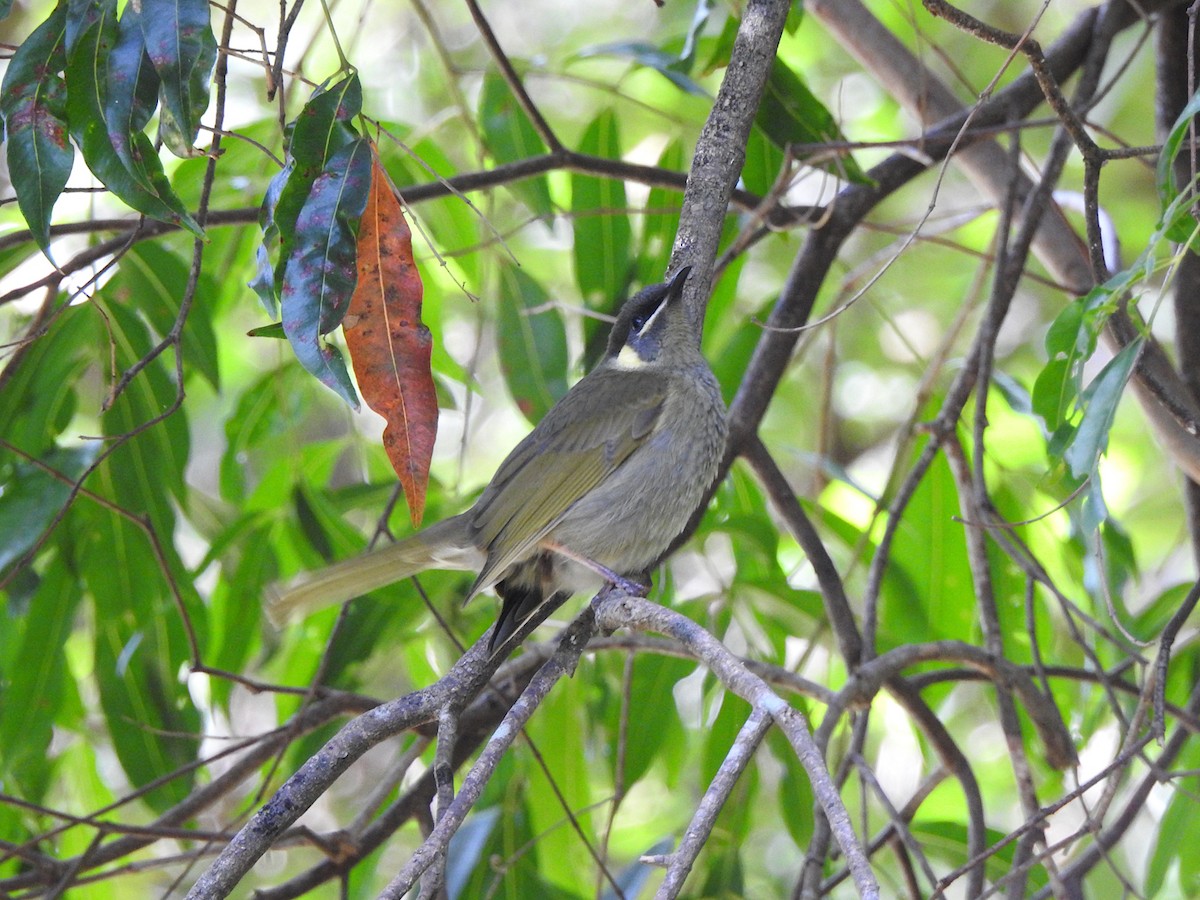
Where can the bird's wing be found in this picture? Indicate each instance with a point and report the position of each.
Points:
(563, 458)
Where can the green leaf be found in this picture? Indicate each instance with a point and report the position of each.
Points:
(1099, 404)
(796, 798)
(653, 719)
(182, 47)
(87, 80)
(264, 283)
(930, 551)
(34, 684)
(947, 840)
(791, 114)
(39, 401)
(651, 57)
(533, 343)
(140, 643)
(33, 104)
(132, 94)
(1165, 170)
(322, 128)
(153, 279)
(1182, 817)
(31, 498)
(510, 137)
(321, 272)
(148, 469)
(600, 220)
(661, 220)
(763, 163)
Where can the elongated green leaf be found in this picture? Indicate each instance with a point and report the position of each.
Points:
(511, 137)
(131, 94)
(1165, 170)
(82, 15)
(1099, 404)
(1182, 817)
(791, 114)
(600, 220)
(181, 45)
(140, 642)
(533, 344)
(39, 399)
(139, 650)
(796, 799)
(153, 278)
(264, 283)
(87, 79)
(930, 551)
(320, 273)
(646, 54)
(36, 677)
(322, 128)
(654, 724)
(661, 220)
(33, 103)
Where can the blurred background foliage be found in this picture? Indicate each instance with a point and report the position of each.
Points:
(256, 471)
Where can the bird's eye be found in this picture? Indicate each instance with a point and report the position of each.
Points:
(639, 322)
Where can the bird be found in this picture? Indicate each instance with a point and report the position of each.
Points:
(597, 493)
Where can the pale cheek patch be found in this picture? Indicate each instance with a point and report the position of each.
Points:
(628, 358)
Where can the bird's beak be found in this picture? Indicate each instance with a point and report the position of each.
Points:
(674, 292)
(675, 285)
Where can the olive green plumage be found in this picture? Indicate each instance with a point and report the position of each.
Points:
(606, 481)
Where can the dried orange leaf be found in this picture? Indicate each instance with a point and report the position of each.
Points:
(388, 343)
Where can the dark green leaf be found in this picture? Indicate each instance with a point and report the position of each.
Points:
(183, 49)
(510, 136)
(764, 161)
(39, 400)
(320, 273)
(33, 103)
(87, 79)
(652, 57)
(790, 114)
(600, 220)
(32, 498)
(264, 282)
(533, 343)
(81, 15)
(132, 94)
(322, 128)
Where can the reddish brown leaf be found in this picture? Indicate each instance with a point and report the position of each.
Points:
(389, 344)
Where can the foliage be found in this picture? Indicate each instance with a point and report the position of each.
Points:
(991, 557)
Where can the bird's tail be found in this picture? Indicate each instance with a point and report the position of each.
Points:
(438, 547)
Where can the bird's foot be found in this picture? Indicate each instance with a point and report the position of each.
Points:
(632, 588)
(629, 586)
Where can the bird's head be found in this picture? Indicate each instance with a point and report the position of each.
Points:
(651, 327)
